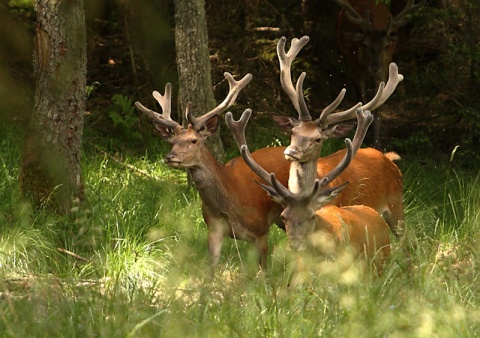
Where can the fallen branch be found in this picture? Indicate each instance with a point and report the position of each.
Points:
(80, 258)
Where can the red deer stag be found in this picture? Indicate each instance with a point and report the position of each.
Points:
(308, 213)
(232, 204)
(366, 34)
(376, 181)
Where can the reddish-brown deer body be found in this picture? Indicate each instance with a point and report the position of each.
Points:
(375, 181)
(233, 205)
(358, 227)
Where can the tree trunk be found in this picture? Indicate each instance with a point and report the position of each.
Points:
(51, 172)
(193, 63)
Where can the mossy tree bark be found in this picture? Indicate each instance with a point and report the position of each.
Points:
(193, 64)
(51, 172)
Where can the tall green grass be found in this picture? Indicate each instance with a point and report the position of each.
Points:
(142, 263)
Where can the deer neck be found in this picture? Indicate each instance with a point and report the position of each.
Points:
(208, 179)
(302, 176)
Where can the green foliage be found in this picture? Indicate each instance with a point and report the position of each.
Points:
(444, 46)
(143, 239)
(91, 88)
(21, 3)
(416, 143)
(122, 113)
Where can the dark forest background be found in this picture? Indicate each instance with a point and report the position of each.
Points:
(131, 52)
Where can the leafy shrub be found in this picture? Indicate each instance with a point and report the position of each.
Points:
(123, 116)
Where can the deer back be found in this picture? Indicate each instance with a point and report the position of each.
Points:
(374, 179)
(359, 227)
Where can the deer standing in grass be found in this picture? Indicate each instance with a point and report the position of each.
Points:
(367, 36)
(375, 180)
(232, 204)
(308, 213)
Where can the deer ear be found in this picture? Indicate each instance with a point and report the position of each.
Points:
(326, 196)
(339, 130)
(286, 123)
(165, 132)
(211, 126)
(272, 193)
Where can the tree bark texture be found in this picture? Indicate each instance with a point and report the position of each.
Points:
(51, 172)
(193, 64)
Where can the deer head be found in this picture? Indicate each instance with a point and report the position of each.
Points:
(188, 144)
(377, 39)
(307, 134)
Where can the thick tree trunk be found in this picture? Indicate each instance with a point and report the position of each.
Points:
(51, 172)
(193, 63)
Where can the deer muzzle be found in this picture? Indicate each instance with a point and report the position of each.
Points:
(172, 160)
(292, 153)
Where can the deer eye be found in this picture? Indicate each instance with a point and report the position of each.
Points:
(318, 140)
(194, 141)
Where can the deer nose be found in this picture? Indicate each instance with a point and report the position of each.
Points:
(170, 157)
(292, 153)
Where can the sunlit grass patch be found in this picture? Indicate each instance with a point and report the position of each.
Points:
(131, 265)
(25, 248)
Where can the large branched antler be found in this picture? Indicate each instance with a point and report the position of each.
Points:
(286, 58)
(165, 102)
(283, 191)
(383, 93)
(327, 117)
(234, 89)
(197, 122)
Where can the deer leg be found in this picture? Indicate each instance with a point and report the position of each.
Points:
(395, 218)
(215, 241)
(262, 247)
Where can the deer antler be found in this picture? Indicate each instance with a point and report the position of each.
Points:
(401, 18)
(280, 189)
(238, 127)
(238, 130)
(165, 102)
(332, 106)
(364, 119)
(235, 88)
(354, 16)
(383, 93)
(286, 59)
